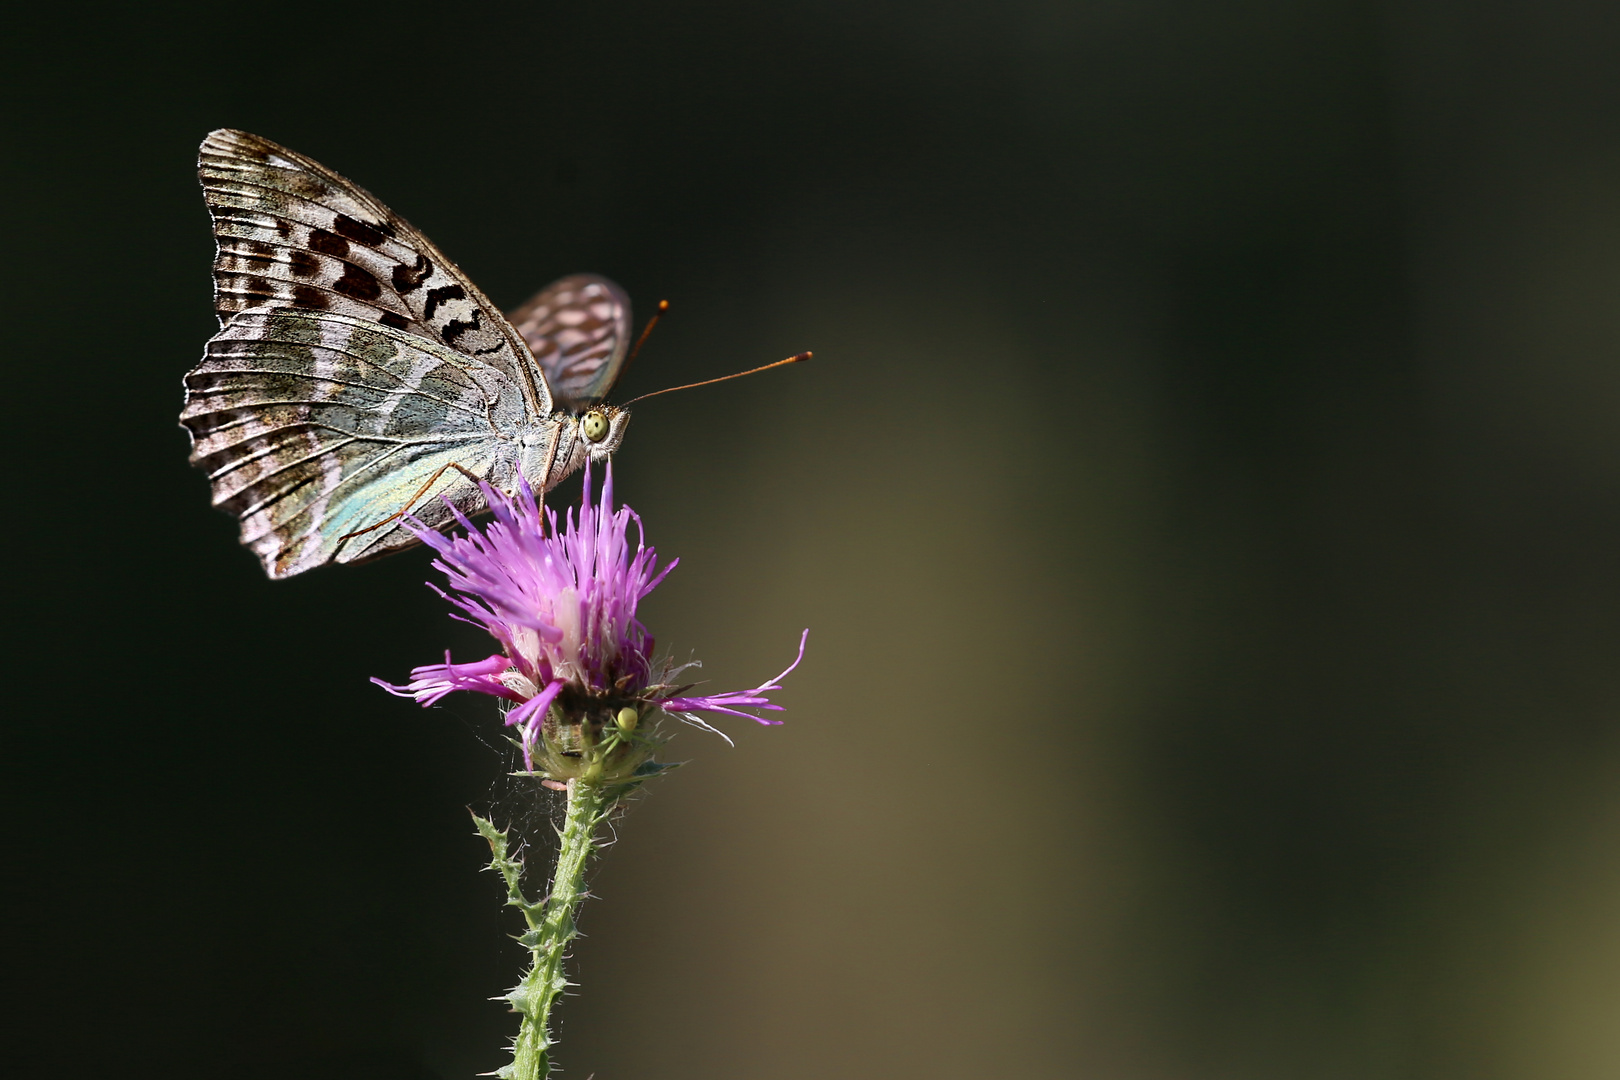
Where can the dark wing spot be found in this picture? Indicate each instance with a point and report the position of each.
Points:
(307, 296)
(303, 264)
(361, 233)
(257, 288)
(408, 279)
(357, 283)
(397, 321)
(283, 228)
(324, 242)
(456, 327)
(435, 297)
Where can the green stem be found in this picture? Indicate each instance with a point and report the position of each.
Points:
(550, 924)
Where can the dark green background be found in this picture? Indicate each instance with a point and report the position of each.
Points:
(1205, 501)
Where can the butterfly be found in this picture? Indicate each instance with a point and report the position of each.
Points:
(357, 371)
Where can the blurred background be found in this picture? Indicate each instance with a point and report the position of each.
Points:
(1204, 502)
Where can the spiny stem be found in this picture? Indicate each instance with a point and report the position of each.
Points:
(550, 923)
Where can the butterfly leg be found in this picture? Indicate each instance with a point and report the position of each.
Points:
(545, 474)
(402, 511)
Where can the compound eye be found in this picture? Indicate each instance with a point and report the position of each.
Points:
(594, 425)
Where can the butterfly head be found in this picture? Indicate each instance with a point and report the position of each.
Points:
(601, 429)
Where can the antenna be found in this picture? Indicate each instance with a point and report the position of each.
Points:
(663, 309)
(706, 382)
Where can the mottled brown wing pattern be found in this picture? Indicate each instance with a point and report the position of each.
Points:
(293, 234)
(578, 329)
(313, 424)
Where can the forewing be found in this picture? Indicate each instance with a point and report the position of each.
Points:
(294, 235)
(314, 424)
(578, 330)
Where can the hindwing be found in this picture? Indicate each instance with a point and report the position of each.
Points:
(313, 424)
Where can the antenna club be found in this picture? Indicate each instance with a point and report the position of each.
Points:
(663, 309)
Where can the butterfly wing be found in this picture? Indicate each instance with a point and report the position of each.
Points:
(578, 329)
(354, 362)
(294, 234)
(314, 424)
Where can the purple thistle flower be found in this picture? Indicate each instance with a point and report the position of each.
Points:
(562, 604)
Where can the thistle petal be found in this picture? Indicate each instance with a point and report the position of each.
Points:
(562, 604)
